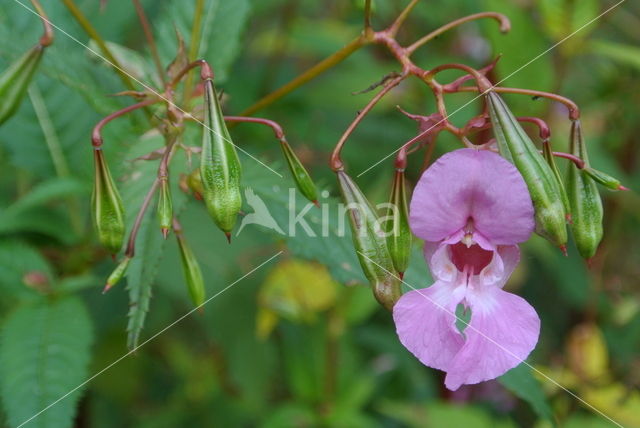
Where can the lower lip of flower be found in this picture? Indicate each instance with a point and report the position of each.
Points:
(473, 258)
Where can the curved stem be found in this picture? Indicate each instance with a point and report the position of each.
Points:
(335, 161)
(131, 243)
(574, 110)
(505, 26)
(543, 128)
(482, 81)
(91, 31)
(47, 36)
(277, 129)
(205, 73)
(393, 29)
(146, 28)
(575, 159)
(324, 65)
(96, 136)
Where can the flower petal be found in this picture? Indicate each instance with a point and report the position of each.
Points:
(425, 323)
(472, 183)
(503, 331)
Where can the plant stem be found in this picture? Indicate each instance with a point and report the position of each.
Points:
(574, 111)
(146, 28)
(335, 161)
(91, 31)
(131, 243)
(47, 36)
(505, 26)
(393, 29)
(308, 75)
(194, 46)
(96, 136)
(277, 129)
(367, 17)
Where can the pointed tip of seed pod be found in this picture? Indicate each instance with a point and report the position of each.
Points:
(590, 262)
(106, 288)
(197, 195)
(165, 232)
(113, 256)
(563, 248)
(621, 187)
(228, 235)
(401, 275)
(316, 203)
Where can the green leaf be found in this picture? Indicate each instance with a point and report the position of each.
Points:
(625, 54)
(521, 382)
(44, 354)
(47, 191)
(16, 260)
(149, 244)
(222, 26)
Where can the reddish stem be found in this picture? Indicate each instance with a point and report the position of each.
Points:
(336, 162)
(277, 129)
(205, 72)
(146, 28)
(47, 36)
(96, 137)
(505, 26)
(574, 110)
(575, 159)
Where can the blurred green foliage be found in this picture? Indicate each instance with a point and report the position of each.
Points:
(300, 342)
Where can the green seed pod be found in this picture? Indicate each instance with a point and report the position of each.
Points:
(220, 166)
(15, 80)
(165, 207)
(192, 272)
(370, 243)
(117, 274)
(548, 156)
(399, 234)
(543, 187)
(604, 179)
(586, 204)
(300, 175)
(108, 213)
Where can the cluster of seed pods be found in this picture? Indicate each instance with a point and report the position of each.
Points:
(571, 203)
(217, 181)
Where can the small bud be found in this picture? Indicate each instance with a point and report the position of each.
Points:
(399, 234)
(194, 182)
(108, 213)
(516, 146)
(300, 175)
(117, 274)
(192, 272)
(604, 179)
(586, 204)
(165, 207)
(370, 243)
(15, 80)
(219, 165)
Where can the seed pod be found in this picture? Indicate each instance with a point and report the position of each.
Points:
(548, 156)
(219, 166)
(15, 80)
(108, 213)
(604, 179)
(399, 234)
(300, 175)
(543, 187)
(586, 204)
(165, 207)
(117, 274)
(192, 272)
(370, 243)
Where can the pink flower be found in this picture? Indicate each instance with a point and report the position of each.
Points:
(471, 207)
